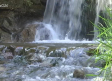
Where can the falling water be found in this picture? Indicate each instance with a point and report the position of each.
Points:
(63, 19)
(102, 5)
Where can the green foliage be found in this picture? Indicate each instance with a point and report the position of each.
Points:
(105, 46)
(90, 75)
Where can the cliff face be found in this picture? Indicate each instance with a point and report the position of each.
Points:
(16, 19)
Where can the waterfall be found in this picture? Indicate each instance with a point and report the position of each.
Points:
(70, 19)
(102, 5)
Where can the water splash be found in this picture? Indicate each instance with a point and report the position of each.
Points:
(46, 32)
(63, 17)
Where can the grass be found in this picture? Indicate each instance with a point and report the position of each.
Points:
(105, 46)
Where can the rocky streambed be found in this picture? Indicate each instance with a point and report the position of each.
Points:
(48, 63)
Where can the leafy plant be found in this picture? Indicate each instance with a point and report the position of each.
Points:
(105, 46)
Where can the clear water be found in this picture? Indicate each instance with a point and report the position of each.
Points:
(58, 64)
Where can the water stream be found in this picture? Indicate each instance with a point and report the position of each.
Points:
(58, 52)
(67, 22)
(47, 63)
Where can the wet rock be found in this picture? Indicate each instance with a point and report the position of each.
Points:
(91, 71)
(56, 61)
(37, 57)
(99, 63)
(20, 60)
(84, 72)
(10, 49)
(28, 34)
(31, 50)
(78, 73)
(2, 69)
(19, 50)
(51, 61)
(46, 63)
(2, 59)
(90, 61)
(5, 37)
(13, 19)
(80, 56)
(79, 52)
(57, 53)
(1, 62)
(1, 48)
(84, 61)
(8, 55)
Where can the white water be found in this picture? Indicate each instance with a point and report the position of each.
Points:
(62, 26)
(62, 19)
(57, 64)
(46, 32)
(102, 5)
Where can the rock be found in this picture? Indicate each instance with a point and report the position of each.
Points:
(80, 56)
(46, 63)
(28, 34)
(8, 55)
(37, 57)
(83, 57)
(91, 71)
(2, 69)
(99, 63)
(10, 49)
(84, 61)
(19, 50)
(51, 61)
(57, 53)
(43, 2)
(31, 50)
(20, 60)
(79, 52)
(1, 48)
(83, 72)
(13, 20)
(5, 37)
(78, 73)
(2, 62)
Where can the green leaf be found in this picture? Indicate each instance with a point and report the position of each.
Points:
(91, 75)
